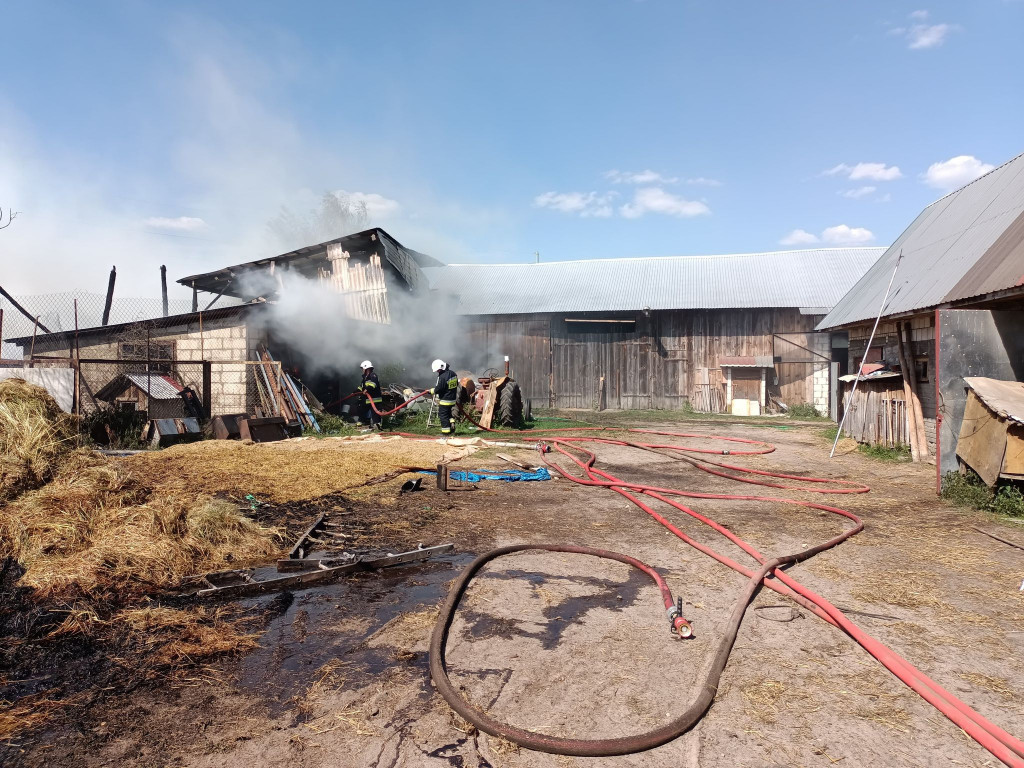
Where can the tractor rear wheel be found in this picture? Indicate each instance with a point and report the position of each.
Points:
(510, 405)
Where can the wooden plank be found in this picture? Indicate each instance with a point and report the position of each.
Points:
(1013, 460)
(982, 442)
(249, 587)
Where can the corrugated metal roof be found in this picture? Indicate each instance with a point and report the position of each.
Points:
(811, 278)
(967, 244)
(156, 385)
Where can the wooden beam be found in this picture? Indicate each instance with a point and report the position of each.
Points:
(163, 287)
(25, 312)
(915, 422)
(110, 295)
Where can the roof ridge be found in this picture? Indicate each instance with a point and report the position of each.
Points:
(974, 181)
(668, 258)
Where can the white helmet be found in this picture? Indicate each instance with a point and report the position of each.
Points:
(366, 364)
(437, 366)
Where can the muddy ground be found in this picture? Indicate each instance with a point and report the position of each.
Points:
(570, 645)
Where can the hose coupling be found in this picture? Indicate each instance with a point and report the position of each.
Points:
(678, 625)
(725, 451)
(543, 447)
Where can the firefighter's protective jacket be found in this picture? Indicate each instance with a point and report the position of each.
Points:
(447, 387)
(371, 387)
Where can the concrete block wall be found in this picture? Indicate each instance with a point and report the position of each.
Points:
(226, 342)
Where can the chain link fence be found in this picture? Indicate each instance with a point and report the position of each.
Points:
(56, 313)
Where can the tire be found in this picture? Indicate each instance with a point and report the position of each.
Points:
(510, 405)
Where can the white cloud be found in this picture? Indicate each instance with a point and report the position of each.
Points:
(918, 15)
(955, 172)
(838, 235)
(867, 171)
(657, 200)
(858, 193)
(702, 181)
(844, 235)
(586, 204)
(377, 206)
(922, 36)
(639, 177)
(179, 224)
(799, 237)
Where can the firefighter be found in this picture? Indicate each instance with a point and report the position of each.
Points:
(446, 390)
(370, 387)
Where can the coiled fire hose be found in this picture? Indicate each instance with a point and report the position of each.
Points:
(998, 742)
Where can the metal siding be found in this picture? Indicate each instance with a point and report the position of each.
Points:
(813, 278)
(942, 247)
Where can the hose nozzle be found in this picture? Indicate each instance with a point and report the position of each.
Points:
(679, 626)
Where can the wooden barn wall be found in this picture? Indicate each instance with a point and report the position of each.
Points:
(525, 339)
(922, 344)
(656, 365)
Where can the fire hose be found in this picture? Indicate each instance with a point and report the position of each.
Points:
(998, 742)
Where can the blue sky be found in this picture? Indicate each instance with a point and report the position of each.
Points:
(141, 133)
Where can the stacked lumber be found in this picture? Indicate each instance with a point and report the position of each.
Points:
(279, 394)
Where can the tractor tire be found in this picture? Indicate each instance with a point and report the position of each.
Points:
(510, 405)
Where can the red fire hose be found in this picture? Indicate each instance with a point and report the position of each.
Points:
(400, 407)
(1001, 744)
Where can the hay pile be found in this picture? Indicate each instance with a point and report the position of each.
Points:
(96, 531)
(34, 435)
(83, 540)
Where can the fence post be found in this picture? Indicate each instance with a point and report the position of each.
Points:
(207, 387)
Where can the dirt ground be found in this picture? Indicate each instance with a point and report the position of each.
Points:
(570, 645)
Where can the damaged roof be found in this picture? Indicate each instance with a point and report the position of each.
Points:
(808, 279)
(242, 280)
(966, 245)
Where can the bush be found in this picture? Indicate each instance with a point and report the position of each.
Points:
(966, 489)
(1008, 500)
(331, 425)
(803, 411)
(884, 453)
(116, 427)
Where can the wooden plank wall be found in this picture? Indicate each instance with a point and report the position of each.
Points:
(878, 413)
(654, 366)
(922, 332)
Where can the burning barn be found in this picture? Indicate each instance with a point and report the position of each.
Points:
(220, 350)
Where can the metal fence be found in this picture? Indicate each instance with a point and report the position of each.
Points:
(56, 312)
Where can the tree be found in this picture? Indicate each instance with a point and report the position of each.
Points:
(337, 215)
(11, 216)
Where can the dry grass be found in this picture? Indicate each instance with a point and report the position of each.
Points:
(899, 587)
(27, 713)
(765, 698)
(142, 643)
(996, 685)
(285, 471)
(34, 435)
(887, 715)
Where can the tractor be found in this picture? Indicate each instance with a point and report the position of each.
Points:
(495, 396)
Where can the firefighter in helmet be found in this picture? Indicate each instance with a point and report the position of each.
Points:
(446, 390)
(370, 387)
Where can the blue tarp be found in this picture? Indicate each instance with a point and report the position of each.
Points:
(508, 475)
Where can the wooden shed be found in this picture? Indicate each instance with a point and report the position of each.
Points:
(992, 431)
